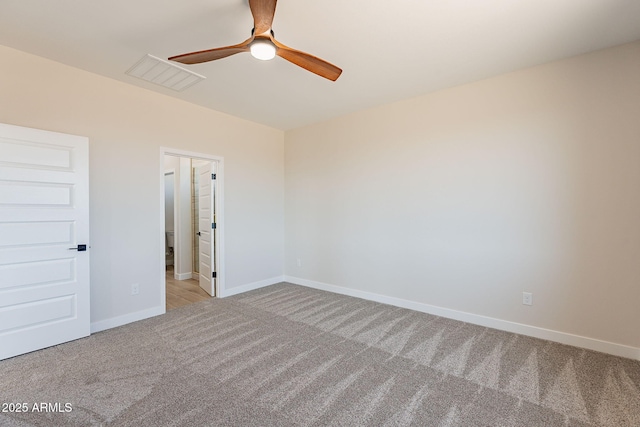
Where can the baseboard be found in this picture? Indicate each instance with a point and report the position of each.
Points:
(183, 276)
(114, 322)
(250, 286)
(504, 325)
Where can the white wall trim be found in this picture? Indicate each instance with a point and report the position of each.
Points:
(183, 276)
(114, 322)
(490, 322)
(252, 286)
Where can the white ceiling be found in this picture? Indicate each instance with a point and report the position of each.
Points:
(389, 49)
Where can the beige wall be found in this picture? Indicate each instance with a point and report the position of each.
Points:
(126, 127)
(467, 197)
(460, 199)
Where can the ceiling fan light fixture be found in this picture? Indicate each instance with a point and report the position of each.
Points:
(263, 50)
(263, 45)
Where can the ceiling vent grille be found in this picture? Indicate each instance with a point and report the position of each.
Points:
(164, 73)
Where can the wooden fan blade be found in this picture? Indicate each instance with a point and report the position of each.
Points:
(308, 62)
(212, 54)
(262, 11)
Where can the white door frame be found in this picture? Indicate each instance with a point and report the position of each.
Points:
(219, 203)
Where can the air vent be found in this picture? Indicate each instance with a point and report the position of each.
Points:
(164, 73)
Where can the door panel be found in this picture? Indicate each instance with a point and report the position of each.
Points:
(207, 282)
(44, 211)
(20, 316)
(36, 273)
(30, 233)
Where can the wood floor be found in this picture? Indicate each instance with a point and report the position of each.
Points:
(183, 292)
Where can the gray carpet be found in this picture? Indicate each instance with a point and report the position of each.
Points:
(291, 356)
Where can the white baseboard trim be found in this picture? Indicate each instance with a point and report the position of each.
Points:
(183, 276)
(250, 286)
(490, 322)
(114, 322)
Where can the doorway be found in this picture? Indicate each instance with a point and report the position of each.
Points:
(192, 227)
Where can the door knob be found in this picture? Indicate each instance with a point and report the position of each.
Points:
(79, 248)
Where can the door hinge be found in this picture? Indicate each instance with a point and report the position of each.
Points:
(213, 225)
(213, 176)
(213, 274)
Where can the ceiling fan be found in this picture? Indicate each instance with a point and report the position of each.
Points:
(263, 45)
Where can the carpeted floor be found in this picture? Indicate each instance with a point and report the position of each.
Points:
(291, 356)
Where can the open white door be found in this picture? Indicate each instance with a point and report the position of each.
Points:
(44, 239)
(206, 226)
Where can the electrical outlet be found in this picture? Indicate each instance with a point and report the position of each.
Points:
(299, 262)
(527, 298)
(135, 289)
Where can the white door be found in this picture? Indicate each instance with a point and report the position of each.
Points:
(44, 221)
(206, 228)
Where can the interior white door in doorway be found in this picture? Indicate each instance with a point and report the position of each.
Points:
(44, 239)
(207, 227)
